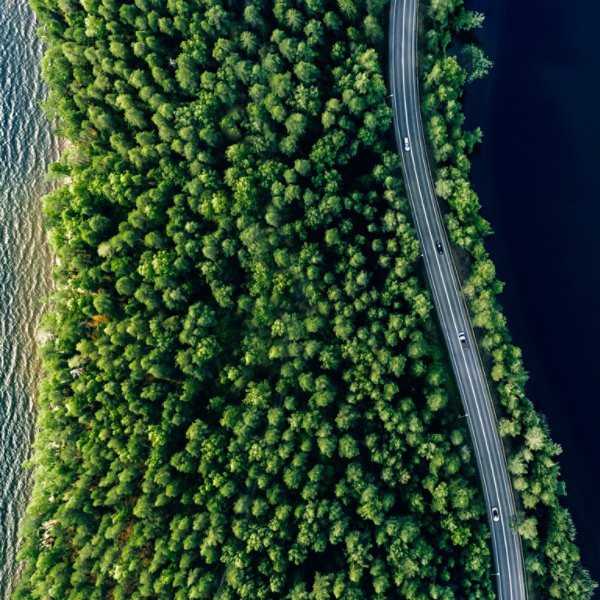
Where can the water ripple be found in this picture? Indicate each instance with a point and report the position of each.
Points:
(26, 148)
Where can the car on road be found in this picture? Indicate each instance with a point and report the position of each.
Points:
(462, 338)
(439, 247)
(406, 145)
(495, 514)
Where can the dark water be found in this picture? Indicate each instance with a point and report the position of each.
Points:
(538, 178)
(537, 175)
(26, 147)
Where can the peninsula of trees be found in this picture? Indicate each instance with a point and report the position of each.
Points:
(245, 393)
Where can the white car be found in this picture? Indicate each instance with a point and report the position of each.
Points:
(495, 514)
(406, 145)
(462, 338)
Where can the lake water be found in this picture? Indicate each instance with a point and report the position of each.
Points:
(536, 174)
(26, 148)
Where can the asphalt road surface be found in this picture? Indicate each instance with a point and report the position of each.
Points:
(449, 303)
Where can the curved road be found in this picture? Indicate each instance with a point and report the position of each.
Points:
(449, 303)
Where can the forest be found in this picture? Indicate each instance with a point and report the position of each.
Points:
(552, 558)
(245, 390)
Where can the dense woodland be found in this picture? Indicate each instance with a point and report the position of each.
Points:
(551, 556)
(245, 393)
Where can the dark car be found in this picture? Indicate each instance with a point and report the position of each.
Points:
(439, 247)
(495, 514)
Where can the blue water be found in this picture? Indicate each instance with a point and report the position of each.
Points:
(26, 148)
(537, 176)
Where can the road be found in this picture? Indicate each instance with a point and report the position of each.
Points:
(449, 302)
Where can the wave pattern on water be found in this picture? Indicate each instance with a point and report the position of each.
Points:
(26, 148)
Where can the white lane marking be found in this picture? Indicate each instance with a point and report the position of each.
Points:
(482, 381)
(449, 301)
(484, 430)
(489, 428)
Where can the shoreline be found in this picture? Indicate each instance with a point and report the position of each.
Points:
(27, 148)
(562, 382)
(532, 463)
